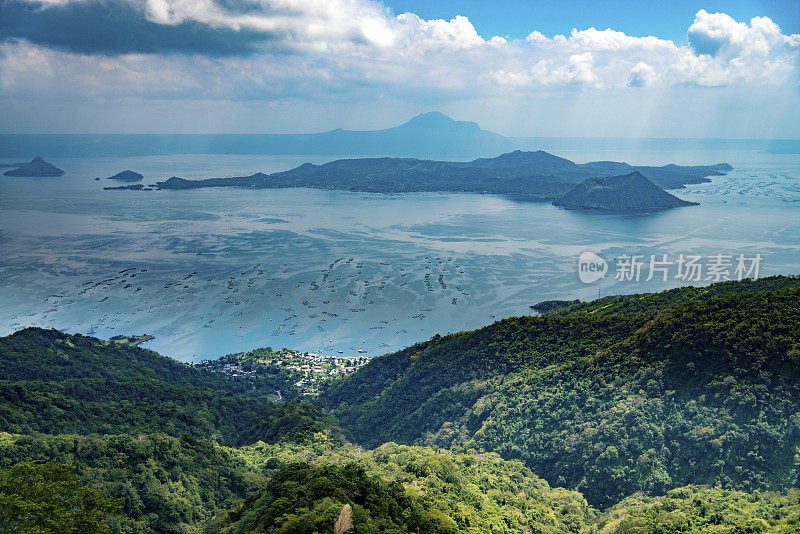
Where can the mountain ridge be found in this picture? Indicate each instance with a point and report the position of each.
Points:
(426, 135)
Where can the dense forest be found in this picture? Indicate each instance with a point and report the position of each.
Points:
(55, 383)
(642, 393)
(667, 412)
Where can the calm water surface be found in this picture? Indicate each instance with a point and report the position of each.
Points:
(214, 271)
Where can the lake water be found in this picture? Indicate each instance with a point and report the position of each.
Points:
(214, 271)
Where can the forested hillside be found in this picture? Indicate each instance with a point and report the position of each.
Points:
(302, 498)
(164, 483)
(666, 390)
(57, 383)
(169, 484)
(670, 412)
(142, 428)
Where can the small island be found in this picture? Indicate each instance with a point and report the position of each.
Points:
(631, 192)
(132, 187)
(127, 176)
(36, 168)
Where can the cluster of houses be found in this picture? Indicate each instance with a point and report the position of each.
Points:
(308, 369)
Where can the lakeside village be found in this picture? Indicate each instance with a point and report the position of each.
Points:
(308, 370)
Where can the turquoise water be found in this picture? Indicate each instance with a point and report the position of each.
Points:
(220, 270)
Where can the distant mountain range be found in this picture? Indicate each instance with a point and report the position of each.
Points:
(429, 135)
(530, 176)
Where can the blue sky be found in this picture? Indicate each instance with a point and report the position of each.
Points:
(580, 68)
(667, 20)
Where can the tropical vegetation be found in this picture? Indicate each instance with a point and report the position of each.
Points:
(670, 412)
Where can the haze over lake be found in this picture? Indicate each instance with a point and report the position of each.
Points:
(211, 271)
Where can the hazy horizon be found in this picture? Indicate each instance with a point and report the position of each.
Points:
(388, 127)
(703, 70)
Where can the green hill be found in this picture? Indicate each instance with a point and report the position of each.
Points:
(168, 484)
(141, 427)
(672, 298)
(464, 491)
(628, 192)
(696, 386)
(402, 489)
(165, 483)
(56, 383)
(698, 509)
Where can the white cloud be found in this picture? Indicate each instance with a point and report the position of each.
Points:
(420, 34)
(323, 50)
(724, 51)
(327, 25)
(609, 39)
(719, 34)
(536, 37)
(579, 69)
(642, 75)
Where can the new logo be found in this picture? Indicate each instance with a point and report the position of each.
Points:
(591, 267)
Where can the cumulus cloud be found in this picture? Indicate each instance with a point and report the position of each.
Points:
(267, 49)
(642, 75)
(536, 37)
(724, 51)
(608, 39)
(719, 34)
